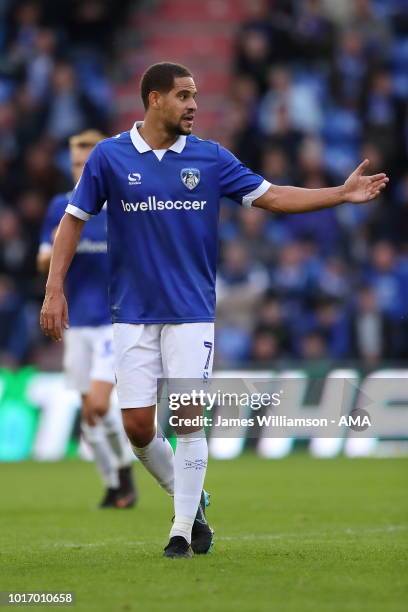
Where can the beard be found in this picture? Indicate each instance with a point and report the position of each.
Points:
(184, 131)
(177, 129)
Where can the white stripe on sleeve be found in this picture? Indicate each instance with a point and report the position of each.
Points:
(257, 193)
(77, 212)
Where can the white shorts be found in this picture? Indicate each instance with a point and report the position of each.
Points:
(146, 353)
(88, 356)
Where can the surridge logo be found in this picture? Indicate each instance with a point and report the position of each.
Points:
(135, 178)
(153, 204)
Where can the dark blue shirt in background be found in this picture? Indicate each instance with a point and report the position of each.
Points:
(87, 279)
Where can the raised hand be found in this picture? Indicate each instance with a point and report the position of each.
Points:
(361, 188)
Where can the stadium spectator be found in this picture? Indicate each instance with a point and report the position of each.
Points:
(240, 284)
(14, 335)
(265, 349)
(380, 114)
(14, 252)
(40, 65)
(333, 278)
(275, 166)
(254, 57)
(350, 68)
(291, 277)
(374, 30)
(386, 276)
(313, 32)
(372, 332)
(299, 100)
(270, 318)
(69, 109)
(313, 348)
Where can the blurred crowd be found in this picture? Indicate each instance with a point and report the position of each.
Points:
(318, 85)
(55, 58)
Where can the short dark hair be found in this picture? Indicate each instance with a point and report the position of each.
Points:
(160, 77)
(86, 139)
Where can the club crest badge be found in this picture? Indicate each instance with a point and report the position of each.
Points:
(190, 177)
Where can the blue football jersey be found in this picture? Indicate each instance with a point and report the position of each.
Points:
(163, 209)
(87, 279)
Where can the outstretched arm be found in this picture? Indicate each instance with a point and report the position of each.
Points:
(54, 312)
(357, 188)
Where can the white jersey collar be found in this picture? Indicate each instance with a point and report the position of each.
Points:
(142, 146)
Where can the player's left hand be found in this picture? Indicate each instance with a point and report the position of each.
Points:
(360, 188)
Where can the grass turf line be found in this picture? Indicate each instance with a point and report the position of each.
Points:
(292, 535)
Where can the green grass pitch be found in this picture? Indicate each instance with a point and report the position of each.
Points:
(292, 535)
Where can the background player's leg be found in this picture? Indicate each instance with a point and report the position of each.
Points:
(94, 433)
(98, 410)
(100, 393)
(78, 358)
(98, 407)
(117, 437)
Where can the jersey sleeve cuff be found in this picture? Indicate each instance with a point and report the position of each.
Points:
(257, 193)
(77, 212)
